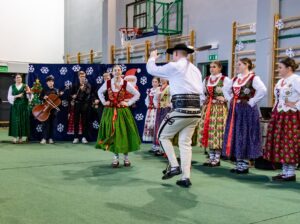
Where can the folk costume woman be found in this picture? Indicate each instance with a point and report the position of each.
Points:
(118, 132)
(283, 136)
(163, 99)
(217, 89)
(242, 138)
(18, 96)
(148, 134)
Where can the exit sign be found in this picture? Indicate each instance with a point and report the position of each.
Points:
(212, 57)
(3, 68)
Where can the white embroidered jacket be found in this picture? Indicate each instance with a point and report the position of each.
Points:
(288, 89)
(152, 92)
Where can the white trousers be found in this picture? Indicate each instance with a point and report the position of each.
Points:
(185, 125)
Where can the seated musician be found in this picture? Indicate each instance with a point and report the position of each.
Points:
(48, 125)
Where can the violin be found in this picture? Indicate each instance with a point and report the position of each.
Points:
(26, 90)
(42, 112)
(95, 105)
(74, 96)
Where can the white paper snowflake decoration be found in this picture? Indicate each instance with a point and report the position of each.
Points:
(143, 80)
(99, 79)
(44, 70)
(68, 84)
(290, 52)
(30, 68)
(39, 128)
(64, 103)
(139, 117)
(109, 70)
(89, 71)
(63, 71)
(239, 46)
(279, 24)
(95, 125)
(253, 27)
(123, 68)
(60, 127)
(76, 68)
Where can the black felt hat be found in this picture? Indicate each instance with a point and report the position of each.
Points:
(181, 47)
(49, 78)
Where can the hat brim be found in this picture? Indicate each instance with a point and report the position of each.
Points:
(188, 50)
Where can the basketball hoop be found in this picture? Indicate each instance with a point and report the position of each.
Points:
(128, 34)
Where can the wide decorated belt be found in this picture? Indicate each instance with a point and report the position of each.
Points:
(187, 111)
(186, 101)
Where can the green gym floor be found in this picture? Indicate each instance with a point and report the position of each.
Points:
(70, 184)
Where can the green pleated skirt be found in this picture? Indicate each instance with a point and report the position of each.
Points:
(118, 132)
(19, 119)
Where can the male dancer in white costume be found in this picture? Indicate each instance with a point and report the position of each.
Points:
(187, 93)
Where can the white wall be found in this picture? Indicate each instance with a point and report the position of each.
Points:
(212, 21)
(289, 8)
(32, 31)
(83, 25)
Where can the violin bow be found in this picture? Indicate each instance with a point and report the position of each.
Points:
(52, 104)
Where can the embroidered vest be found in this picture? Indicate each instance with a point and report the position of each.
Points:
(116, 98)
(215, 91)
(246, 91)
(165, 100)
(16, 91)
(128, 95)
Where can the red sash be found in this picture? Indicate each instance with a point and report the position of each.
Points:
(205, 136)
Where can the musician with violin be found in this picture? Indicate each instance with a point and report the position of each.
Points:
(50, 97)
(18, 96)
(81, 97)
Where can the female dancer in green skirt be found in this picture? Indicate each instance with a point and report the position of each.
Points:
(18, 95)
(118, 132)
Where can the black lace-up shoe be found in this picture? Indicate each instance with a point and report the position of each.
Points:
(169, 173)
(184, 183)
